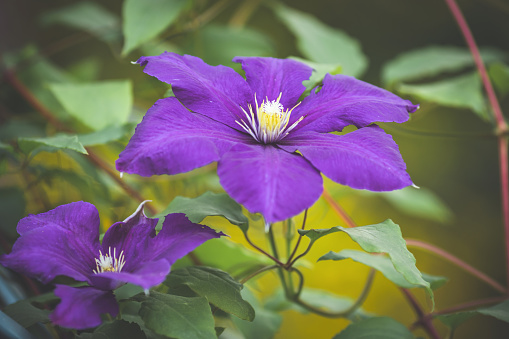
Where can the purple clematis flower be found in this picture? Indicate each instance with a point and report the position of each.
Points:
(65, 241)
(270, 148)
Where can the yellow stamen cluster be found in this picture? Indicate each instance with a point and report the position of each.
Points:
(109, 263)
(269, 122)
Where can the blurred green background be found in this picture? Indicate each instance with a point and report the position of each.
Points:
(448, 145)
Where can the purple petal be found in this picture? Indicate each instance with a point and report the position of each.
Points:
(145, 275)
(172, 140)
(178, 237)
(270, 181)
(132, 237)
(268, 77)
(81, 307)
(63, 241)
(367, 158)
(215, 91)
(344, 100)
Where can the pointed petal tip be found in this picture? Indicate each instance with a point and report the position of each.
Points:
(415, 186)
(139, 210)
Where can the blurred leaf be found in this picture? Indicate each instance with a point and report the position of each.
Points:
(51, 144)
(219, 44)
(217, 286)
(431, 61)
(317, 298)
(265, 324)
(87, 16)
(14, 129)
(499, 74)
(96, 104)
(115, 329)
(177, 317)
(144, 20)
(12, 209)
(26, 314)
(380, 238)
(229, 256)
(319, 71)
(85, 70)
(420, 202)
(207, 204)
(6, 147)
(9, 329)
(463, 92)
(321, 43)
(380, 328)
(456, 319)
(105, 135)
(499, 311)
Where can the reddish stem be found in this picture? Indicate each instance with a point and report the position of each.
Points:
(499, 117)
(338, 209)
(458, 262)
(423, 320)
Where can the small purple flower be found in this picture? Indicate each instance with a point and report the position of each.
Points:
(270, 147)
(65, 241)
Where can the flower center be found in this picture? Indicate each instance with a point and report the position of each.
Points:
(268, 122)
(108, 262)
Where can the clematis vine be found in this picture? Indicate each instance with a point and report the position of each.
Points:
(65, 241)
(270, 147)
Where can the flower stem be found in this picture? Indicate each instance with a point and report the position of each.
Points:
(502, 127)
(254, 274)
(289, 261)
(338, 209)
(423, 320)
(455, 260)
(276, 260)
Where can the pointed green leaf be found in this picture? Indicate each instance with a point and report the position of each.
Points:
(144, 20)
(499, 311)
(217, 286)
(208, 204)
(379, 328)
(380, 263)
(115, 329)
(26, 314)
(96, 104)
(382, 238)
(321, 43)
(51, 144)
(105, 135)
(456, 319)
(89, 17)
(177, 317)
(431, 61)
(463, 92)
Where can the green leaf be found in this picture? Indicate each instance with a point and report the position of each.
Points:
(144, 20)
(499, 74)
(435, 281)
(379, 328)
(26, 314)
(456, 319)
(321, 43)
(266, 323)
(382, 264)
(219, 44)
(12, 209)
(319, 71)
(96, 104)
(87, 16)
(115, 329)
(177, 317)
(105, 135)
(499, 311)
(317, 298)
(462, 92)
(382, 238)
(431, 61)
(208, 204)
(51, 144)
(217, 286)
(420, 202)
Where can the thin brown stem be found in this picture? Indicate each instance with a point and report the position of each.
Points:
(423, 320)
(338, 209)
(456, 261)
(277, 261)
(502, 127)
(241, 16)
(254, 274)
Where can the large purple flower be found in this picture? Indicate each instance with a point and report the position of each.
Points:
(270, 147)
(65, 241)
